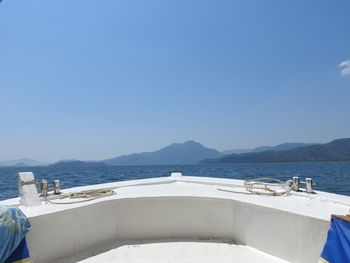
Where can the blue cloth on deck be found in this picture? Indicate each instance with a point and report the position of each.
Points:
(14, 225)
(21, 253)
(337, 247)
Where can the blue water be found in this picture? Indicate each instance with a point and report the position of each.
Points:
(329, 176)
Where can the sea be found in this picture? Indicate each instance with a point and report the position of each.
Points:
(331, 177)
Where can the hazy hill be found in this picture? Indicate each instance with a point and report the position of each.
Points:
(337, 150)
(77, 163)
(282, 147)
(20, 165)
(237, 151)
(189, 152)
(22, 162)
(279, 147)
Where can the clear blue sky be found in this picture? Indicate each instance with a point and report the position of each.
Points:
(95, 79)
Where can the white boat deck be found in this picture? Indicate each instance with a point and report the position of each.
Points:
(174, 252)
(262, 228)
(320, 205)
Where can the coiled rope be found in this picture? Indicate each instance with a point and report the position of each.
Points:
(86, 195)
(264, 186)
(258, 186)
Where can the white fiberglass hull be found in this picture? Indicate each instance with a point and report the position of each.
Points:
(145, 212)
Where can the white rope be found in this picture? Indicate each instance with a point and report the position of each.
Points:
(87, 195)
(264, 186)
(90, 194)
(259, 186)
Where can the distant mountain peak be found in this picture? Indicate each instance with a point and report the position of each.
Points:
(192, 142)
(188, 152)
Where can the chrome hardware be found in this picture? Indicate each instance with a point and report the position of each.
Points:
(57, 187)
(296, 183)
(44, 187)
(308, 185)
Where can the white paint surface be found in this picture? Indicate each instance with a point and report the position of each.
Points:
(292, 228)
(175, 252)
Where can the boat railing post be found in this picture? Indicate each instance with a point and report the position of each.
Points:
(44, 188)
(57, 187)
(296, 183)
(308, 185)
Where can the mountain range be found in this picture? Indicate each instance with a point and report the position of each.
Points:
(191, 152)
(337, 150)
(279, 147)
(22, 162)
(77, 163)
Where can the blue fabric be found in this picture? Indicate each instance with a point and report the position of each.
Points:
(13, 227)
(337, 247)
(21, 253)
